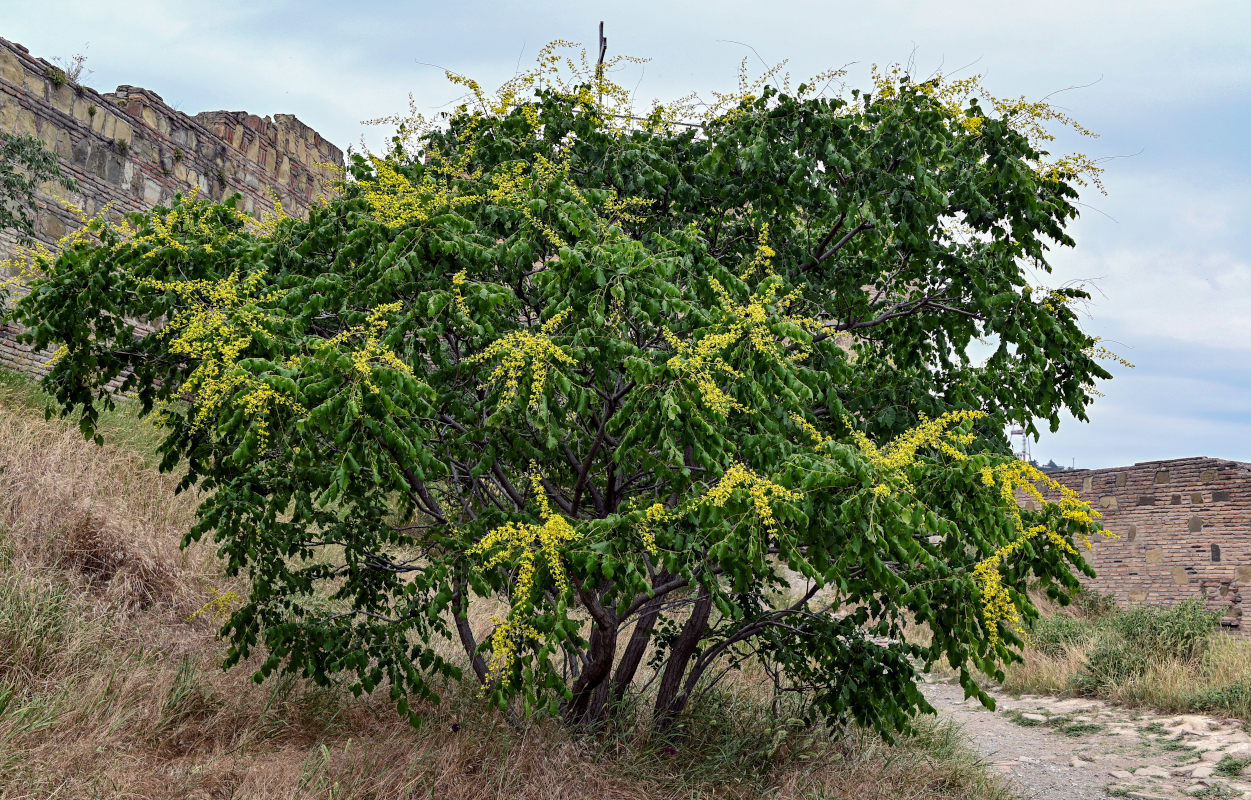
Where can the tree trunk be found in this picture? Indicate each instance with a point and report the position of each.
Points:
(670, 699)
(633, 655)
(590, 693)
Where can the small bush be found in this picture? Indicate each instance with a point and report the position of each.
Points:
(1180, 633)
(1234, 698)
(1052, 635)
(1134, 640)
(1093, 604)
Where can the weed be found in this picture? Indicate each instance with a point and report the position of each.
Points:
(58, 77)
(1232, 766)
(1061, 723)
(1218, 791)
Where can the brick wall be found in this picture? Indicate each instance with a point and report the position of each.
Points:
(129, 150)
(1183, 528)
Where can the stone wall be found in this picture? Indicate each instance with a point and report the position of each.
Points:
(1183, 528)
(129, 150)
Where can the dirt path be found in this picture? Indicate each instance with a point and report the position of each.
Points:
(1074, 749)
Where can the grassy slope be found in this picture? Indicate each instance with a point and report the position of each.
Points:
(1174, 661)
(109, 689)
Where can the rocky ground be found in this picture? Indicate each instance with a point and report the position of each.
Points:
(1074, 749)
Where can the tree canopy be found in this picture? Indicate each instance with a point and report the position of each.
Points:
(659, 393)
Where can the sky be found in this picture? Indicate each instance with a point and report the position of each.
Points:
(1167, 85)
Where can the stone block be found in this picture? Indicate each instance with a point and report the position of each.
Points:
(122, 130)
(8, 115)
(1195, 524)
(82, 111)
(1155, 555)
(35, 84)
(1132, 533)
(1146, 499)
(1243, 574)
(1162, 476)
(1208, 475)
(26, 122)
(151, 191)
(63, 98)
(1137, 595)
(11, 68)
(1180, 576)
(1196, 498)
(1120, 479)
(1108, 501)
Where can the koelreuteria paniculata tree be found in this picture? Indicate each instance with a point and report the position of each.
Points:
(684, 388)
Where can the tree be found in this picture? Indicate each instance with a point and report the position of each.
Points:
(671, 393)
(24, 166)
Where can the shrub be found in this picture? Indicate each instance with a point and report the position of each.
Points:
(1181, 632)
(1131, 641)
(1052, 635)
(597, 367)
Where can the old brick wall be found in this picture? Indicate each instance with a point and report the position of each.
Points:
(129, 150)
(1183, 528)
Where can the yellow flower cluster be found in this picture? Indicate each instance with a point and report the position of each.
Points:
(509, 636)
(654, 515)
(524, 542)
(808, 428)
(702, 362)
(764, 493)
(218, 325)
(218, 606)
(518, 349)
(763, 258)
(1010, 478)
(459, 281)
(1030, 118)
(900, 453)
(371, 350)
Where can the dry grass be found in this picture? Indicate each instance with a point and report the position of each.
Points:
(1090, 654)
(107, 689)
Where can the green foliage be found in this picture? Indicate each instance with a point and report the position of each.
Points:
(1180, 632)
(617, 375)
(1093, 604)
(1052, 635)
(24, 165)
(1129, 642)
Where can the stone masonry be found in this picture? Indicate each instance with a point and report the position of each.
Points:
(128, 150)
(1183, 530)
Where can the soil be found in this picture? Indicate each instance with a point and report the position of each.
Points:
(1050, 748)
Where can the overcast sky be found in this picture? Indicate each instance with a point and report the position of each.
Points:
(1167, 84)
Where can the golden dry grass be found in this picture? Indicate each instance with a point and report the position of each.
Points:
(108, 689)
(1215, 680)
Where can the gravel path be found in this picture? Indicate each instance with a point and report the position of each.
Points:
(1075, 749)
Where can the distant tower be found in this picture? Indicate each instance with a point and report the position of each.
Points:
(1021, 449)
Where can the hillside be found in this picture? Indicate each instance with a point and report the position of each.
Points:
(110, 685)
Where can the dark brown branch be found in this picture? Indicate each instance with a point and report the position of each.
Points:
(839, 245)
